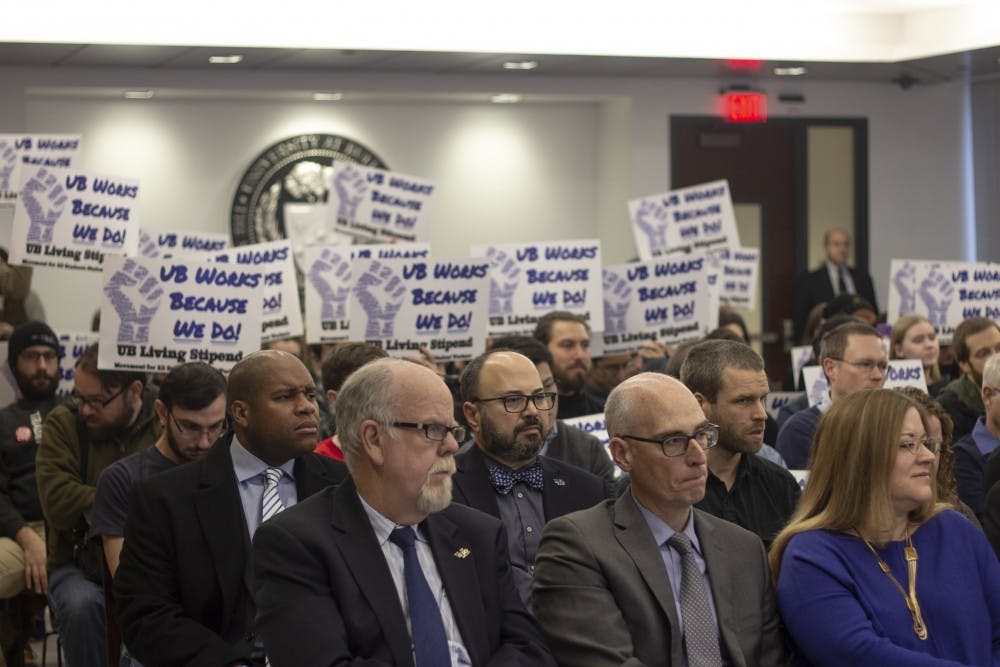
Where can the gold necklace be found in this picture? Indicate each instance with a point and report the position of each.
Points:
(919, 627)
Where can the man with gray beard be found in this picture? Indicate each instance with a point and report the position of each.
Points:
(382, 569)
(503, 474)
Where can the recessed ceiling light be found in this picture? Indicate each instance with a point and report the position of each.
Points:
(225, 60)
(138, 94)
(505, 98)
(328, 97)
(520, 64)
(790, 71)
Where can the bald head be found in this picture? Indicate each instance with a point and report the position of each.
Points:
(632, 404)
(249, 376)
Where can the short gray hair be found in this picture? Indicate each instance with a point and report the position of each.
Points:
(991, 371)
(366, 394)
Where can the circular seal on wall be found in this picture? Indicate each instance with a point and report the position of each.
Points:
(291, 177)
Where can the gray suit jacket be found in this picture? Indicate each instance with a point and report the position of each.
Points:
(602, 596)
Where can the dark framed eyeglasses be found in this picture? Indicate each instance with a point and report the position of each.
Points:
(189, 430)
(866, 365)
(544, 400)
(436, 432)
(76, 400)
(912, 445)
(677, 445)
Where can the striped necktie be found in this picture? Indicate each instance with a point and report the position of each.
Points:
(270, 502)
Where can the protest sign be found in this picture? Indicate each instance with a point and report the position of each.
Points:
(734, 275)
(275, 281)
(595, 426)
(528, 280)
(816, 384)
(168, 244)
(801, 355)
(944, 292)
(699, 217)
(158, 313)
(665, 299)
(328, 284)
(779, 399)
(405, 304)
(74, 220)
(8, 385)
(19, 153)
(375, 204)
(72, 345)
(905, 373)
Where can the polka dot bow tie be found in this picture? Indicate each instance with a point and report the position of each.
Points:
(503, 480)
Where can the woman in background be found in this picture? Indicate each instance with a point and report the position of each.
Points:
(871, 569)
(913, 337)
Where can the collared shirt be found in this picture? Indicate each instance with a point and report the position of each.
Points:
(672, 559)
(762, 498)
(835, 273)
(522, 512)
(394, 559)
(250, 478)
(985, 441)
(549, 439)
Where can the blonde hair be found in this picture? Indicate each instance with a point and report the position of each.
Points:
(853, 455)
(899, 329)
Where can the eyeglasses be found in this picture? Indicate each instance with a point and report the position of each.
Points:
(189, 430)
(436, 432)
(76, 400)
(544, 400)
(866, 365)
(913, 446)
(677, 445)
(32, 356)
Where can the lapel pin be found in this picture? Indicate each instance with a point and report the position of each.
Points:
(462, 553)
(559, 481)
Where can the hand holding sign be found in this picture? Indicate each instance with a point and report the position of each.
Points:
(333, 293)
(502, 291)
(43, 214)
(617, 298)
(351, 189)
(135, 295)
(380, 293)
(652, 220)
(8, 159)
(902, 280)
(937, 294)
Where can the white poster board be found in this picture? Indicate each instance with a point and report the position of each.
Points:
(699, 217)
(20, 153)
(666, 299)
(734, 275)
(528, 280)
(905, 373)
(375, 204)
(167, 244)
(595, 426)
(403, 305)
(157, 313)
(73, 220)
(72, 345)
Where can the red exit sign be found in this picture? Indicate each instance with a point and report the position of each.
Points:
(744, 107)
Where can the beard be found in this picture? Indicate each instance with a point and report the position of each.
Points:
(39, 387)
(436, 497)
(571, 382)
(510, 448)
(735, 441)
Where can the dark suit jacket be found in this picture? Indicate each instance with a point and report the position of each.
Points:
(567, 488)
(603, 597)
(815, 287)
(325, 595)
(183, 586)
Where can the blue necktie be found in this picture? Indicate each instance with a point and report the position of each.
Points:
(430, 643)
(503, 480)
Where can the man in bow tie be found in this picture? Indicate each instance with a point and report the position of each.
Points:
(503, 401)
(384, 569)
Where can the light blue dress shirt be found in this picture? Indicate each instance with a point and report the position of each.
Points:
(250, 479)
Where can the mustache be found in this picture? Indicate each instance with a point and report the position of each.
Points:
(528, 422)
(447, 465)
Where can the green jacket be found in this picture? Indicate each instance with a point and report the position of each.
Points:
(66, 499)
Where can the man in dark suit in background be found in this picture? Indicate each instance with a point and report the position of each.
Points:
(183, 585)
(647, 579)
(503, 400)
(832, 279)
(384, 570)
